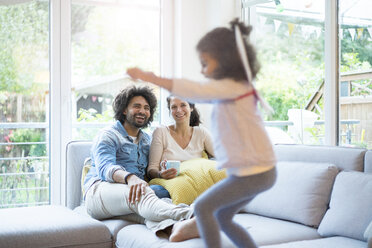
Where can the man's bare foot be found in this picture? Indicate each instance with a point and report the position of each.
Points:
(184, 230)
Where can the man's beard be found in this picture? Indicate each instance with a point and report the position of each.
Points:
(131, 119)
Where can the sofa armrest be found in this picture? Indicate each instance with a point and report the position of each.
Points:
(76, 153)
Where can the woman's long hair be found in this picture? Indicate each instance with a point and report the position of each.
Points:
(194, 115)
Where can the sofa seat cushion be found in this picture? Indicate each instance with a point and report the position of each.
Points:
(50, 226)
(136, 236)
(350, 210)
(117, 223)
(263, 230)
(301, 193)
(334, 242)
(114, 224)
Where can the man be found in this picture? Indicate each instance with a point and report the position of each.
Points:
(115, 184)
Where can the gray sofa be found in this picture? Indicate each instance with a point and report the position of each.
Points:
(322, 199)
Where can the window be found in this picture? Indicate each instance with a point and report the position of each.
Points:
(290, 38)
(24, 104)
(355, 34)
(61, 64)
(106, 38)
(290, 44)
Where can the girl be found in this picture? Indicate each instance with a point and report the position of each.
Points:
(240, 141)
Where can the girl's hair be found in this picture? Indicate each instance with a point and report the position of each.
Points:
(194, 115)
(122, 100)
(220, 44)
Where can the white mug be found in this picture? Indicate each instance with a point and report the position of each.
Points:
(173, 164)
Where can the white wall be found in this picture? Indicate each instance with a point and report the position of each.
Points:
(194, 18)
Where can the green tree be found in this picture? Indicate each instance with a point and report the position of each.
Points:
(24, 36)
(292, 69)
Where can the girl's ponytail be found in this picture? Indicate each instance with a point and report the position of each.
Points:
(245, 30)
(194, 116)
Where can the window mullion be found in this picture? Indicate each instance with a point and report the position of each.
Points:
(59, 96)
(331, 92)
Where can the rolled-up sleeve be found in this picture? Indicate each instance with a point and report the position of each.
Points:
(104, 156)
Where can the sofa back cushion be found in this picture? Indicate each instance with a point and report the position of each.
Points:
(76, 153)
(301, 193)
(346, 158)
(350, 209)
(368, 162)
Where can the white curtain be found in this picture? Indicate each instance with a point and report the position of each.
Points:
(12, 2)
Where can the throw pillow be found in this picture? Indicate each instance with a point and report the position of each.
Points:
(350, 209)
(84, 172)
(368, 235)
(301, 193)
(196, 175)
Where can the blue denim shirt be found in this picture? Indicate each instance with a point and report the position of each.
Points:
(113, 149)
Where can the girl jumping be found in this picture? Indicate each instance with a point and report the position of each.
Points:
(240, 141)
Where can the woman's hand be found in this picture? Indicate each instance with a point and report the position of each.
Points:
(166, 173)
(137, 187)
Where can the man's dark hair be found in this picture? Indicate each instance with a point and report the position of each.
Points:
(220, 44)
(194, 115)
(122, 100)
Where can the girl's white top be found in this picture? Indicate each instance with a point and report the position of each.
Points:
(240, 141)
(163, 146)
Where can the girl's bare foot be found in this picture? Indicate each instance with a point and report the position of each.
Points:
(184, 230)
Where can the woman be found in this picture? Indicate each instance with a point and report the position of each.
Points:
(183, 140)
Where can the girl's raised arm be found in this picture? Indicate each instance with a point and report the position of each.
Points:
(137, 73)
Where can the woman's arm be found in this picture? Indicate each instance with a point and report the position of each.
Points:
(158, 145)
(156, 153)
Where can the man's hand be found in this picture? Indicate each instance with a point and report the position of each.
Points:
(137, 188)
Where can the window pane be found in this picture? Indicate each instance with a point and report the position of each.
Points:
(24, 92)
(355, 34)
(107, 38)
(289, 36)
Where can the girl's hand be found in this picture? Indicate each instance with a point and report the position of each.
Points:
(166, 174)
(137, 73)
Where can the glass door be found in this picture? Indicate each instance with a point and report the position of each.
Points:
(355, 34)
(24, 103)
(289, 37)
